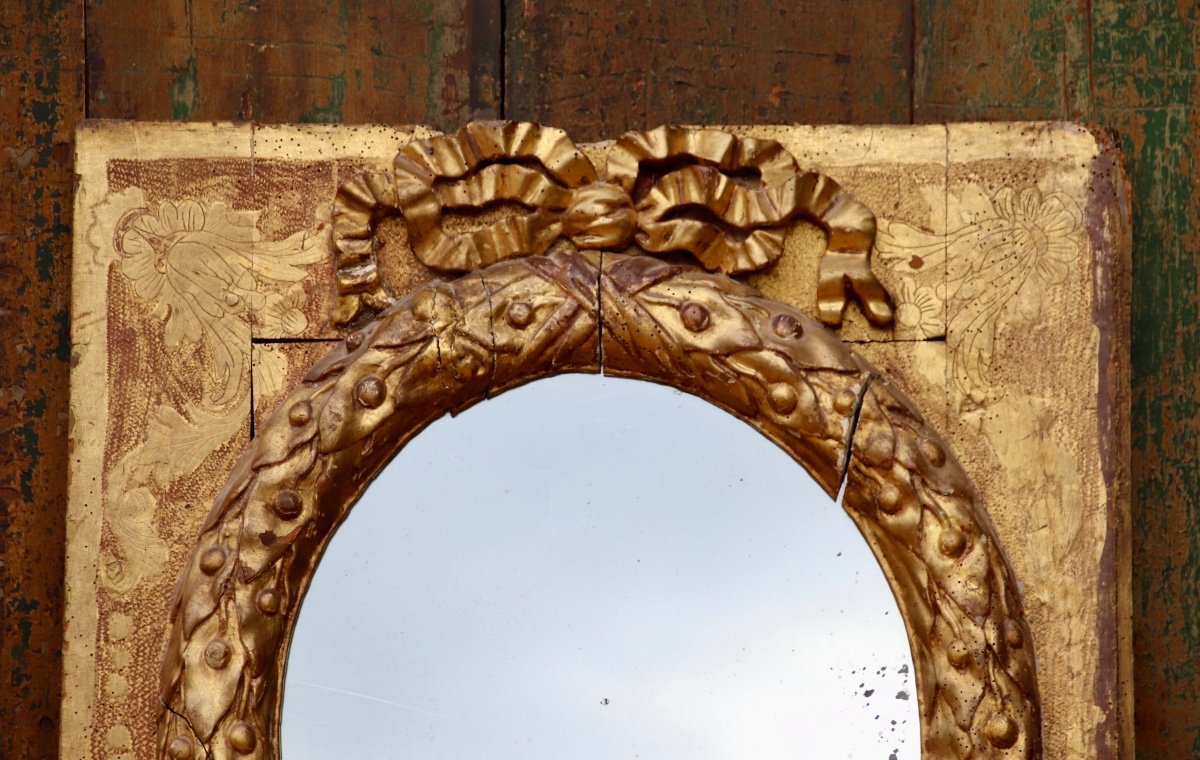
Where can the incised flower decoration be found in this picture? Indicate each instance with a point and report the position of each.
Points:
(919, 309)
(211, 280)
(1013, 243)
(207, 272)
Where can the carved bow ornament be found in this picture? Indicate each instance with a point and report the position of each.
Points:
(727, 201)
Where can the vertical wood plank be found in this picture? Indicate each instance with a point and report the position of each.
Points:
(435, 63)
(1147, 83)
(41, 55)
(1134, 67)
(984, 60)
(607, 68)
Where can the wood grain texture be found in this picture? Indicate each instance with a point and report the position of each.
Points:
(975, 59)
(606, 68)
(435, 63)
(1131, 66)
(41, 54)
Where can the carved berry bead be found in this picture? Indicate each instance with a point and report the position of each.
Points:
(783, 398)
(1001, 731)
(354, 340)
(958, 654)
(787, 326)
(877, 450)
(1013, 635)
(695, 317)
(217, 654)
(422, 307)
(844, 402)
(370, 392)
(952, 542)
(889, 499)
(932, 452)
(212, 560)
(287, 504)
(268, 601)
(180, 748)
(242, 737)
(300, 413)
(519, 314)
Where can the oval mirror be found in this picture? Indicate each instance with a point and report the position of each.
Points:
(592, 567)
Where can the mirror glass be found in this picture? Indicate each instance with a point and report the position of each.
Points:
(590, 567)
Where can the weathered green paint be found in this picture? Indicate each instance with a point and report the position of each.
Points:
(1146, 60)
(185, 91)
(433, 87)
(292, 60)
(332, 110)
(1133, 66)
(343, 17)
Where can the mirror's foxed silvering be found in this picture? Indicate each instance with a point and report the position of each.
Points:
(542, 297)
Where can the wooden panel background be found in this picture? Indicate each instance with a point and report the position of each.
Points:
(600, 69)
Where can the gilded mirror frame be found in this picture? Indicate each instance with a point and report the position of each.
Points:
(553, 266)
(516, 316)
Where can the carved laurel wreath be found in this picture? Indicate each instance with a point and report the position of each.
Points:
(566, 286)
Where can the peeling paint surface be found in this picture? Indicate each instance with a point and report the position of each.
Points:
(40, 102)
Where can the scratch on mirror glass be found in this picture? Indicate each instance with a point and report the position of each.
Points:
(368, 697)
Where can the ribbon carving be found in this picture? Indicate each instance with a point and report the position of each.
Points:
(727, 201)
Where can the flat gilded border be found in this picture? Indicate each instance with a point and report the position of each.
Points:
(449, 345)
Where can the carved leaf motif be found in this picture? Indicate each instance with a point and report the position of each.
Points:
(431, 354)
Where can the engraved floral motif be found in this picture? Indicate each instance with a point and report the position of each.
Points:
(175, 445)
(206, 273)
(1008, 250)
(211, 280)
(282, 313)
(919, 310)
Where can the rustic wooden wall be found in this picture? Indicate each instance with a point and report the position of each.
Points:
(604, 68)
(41, 100)
(600, 69)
